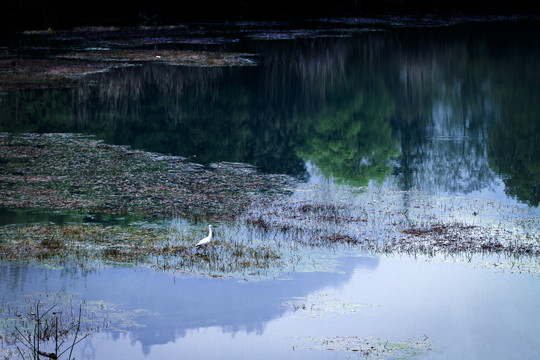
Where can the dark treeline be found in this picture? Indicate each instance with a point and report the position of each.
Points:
(56, 14)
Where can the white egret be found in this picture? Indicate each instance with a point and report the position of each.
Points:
(207, 239)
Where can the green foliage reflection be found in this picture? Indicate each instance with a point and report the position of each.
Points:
(514, 144)
(350, 139)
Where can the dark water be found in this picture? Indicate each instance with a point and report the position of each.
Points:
(450, 110)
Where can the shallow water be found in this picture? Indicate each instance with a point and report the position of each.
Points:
(465, 311)
(410, 125)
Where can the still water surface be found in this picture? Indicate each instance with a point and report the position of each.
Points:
(466, 312)
(451, 111)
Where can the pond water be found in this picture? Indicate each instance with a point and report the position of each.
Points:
(425, 122)
(446, 110)
(466, 312)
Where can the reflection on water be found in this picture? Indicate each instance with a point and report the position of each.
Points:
(490, 315)
(447, 111)
(180, 304)
(450, 110)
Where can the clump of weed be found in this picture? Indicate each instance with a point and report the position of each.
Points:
(50, 325)
(52, 244)
(373, 346)
(164, 248)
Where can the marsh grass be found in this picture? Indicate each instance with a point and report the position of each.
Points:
(266, 227)
(90, 246)
(380, 223)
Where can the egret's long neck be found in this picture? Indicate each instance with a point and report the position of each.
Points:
(209, 228)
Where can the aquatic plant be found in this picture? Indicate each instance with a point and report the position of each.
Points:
(90, 246)
(78, 173)
(372, 346)
(44, 330)
(49, 329)
(50, 325)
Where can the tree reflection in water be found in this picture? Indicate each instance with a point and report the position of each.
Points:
(448, 110)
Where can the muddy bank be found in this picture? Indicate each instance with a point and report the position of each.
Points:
(64, 59)
(68, 70)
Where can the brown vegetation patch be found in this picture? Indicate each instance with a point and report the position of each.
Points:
(173, 57)
(93, 246)
(460, 238)
(18, 72)
(447, 230)
(72, 172)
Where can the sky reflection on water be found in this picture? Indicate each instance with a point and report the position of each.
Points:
(466, 312)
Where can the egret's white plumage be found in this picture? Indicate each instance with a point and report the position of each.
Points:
(207, 239)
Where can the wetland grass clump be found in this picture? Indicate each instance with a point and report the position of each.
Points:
(456, 238)
(90, 246)
(82, 245)
(221, 259)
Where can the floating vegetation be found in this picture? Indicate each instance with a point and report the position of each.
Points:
(91, 246)
(280, 34)
(372, 347)
(77, 173)
(103, 50)
(456, 238)
(19, 72)
(379, 223)
(85, 246)
(266, 227)
(323, 306)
